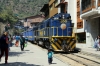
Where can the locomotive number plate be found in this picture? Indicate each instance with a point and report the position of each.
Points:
(63, 21)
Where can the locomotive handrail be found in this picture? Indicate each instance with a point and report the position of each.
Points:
(53, 31)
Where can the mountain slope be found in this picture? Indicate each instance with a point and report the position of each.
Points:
(23, 8)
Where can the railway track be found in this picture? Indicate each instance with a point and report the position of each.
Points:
(77, 59)
(82, 59)
(90, 54)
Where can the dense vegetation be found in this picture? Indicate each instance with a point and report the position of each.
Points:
(10, 9)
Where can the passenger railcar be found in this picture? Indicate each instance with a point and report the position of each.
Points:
(56, 33)
(29, 34)
(24, 33)
(35, 32)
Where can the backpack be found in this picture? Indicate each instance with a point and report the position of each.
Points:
(2, 40)
(22, 40)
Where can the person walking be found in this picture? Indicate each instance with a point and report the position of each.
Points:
(50, 56)
(4, 46)
(22, 42)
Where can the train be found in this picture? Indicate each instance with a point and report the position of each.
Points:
(56, 33)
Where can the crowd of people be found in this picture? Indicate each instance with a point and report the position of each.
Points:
(6, 43)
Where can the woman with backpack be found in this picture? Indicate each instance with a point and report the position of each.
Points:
(4, 41)
(22, 42)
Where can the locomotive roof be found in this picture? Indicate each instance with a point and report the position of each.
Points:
(60, 14)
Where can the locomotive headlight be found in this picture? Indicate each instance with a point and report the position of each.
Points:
(63, 26)
(63, 16)
(55, 18)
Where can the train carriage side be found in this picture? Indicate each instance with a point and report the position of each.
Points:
(42, 34)
(31, 35)
(24, 34)
(39, 33)
(35, 32)
(46, 32)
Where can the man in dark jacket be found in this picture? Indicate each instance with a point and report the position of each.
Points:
(4, 46)
(22, 42)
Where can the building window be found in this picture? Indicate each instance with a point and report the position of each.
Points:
(51, 6)
(86, 4)
(56, 2)
(62, 0)
(78, 4)
(79, 25)
(78, 14)
(98, 2)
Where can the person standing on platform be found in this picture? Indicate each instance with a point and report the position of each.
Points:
(17, 41)
(50, 56)
(97, 43)
(4, 46)
(22, 42)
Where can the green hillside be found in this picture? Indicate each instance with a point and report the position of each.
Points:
(22, 8)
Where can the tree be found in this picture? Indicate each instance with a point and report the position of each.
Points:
(7, 27)
(8, 17)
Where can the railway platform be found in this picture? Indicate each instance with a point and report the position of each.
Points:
(90, 52)
(32, 55)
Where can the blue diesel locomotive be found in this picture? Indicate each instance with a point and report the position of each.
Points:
(55, 33)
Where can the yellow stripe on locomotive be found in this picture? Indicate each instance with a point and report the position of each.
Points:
(58, 43)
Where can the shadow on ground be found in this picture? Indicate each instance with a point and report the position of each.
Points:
(18, 64)
(18, 53)
(67, 52)
(15, 53)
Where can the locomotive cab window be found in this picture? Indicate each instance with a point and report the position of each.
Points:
(63, 8)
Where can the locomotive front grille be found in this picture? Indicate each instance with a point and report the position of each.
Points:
(57, 43)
